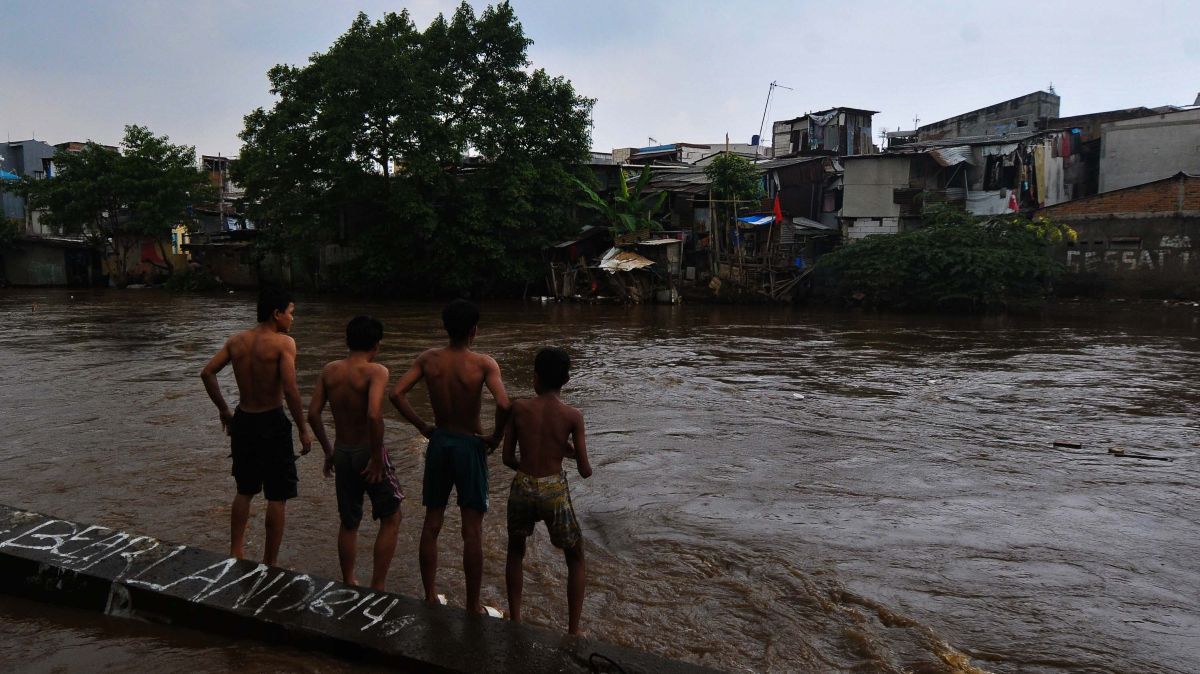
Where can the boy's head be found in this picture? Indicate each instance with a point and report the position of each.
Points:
(363, 333)
(551, 368)
(460, 319)
(276, 304)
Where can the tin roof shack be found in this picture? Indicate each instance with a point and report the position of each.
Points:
(1082, 175)
(759, 257)
(1137, 151)
(835, 132)
(677, 153)
(984, 175)
(572, 264)
(1140, 241)
(1018, 114)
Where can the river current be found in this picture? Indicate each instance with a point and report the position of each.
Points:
(775, 489)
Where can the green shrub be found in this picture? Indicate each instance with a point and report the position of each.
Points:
(954, 262)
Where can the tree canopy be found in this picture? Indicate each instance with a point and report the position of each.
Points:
(439, 154)
(119, 198)
(733, 177)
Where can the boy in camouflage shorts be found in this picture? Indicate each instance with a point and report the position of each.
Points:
(546, 430)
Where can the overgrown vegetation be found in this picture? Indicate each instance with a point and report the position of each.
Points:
(438, 154)
(955, 262)
(120, 198)
(10, 228)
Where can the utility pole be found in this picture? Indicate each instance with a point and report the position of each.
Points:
(770, 90)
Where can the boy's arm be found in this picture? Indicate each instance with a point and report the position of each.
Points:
(503, 407)
(581, 457)
(510, 444)
(315, 406)
(209, 376)
(291, 392)
(374, 471)
(399, 397)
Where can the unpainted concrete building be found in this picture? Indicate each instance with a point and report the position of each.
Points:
(1141, 150)
(1023, 113)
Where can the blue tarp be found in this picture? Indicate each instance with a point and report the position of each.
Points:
(757, 219)
(5, 175)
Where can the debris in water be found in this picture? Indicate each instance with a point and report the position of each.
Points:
(798, 396)
(1072, 445)
(1120, 451)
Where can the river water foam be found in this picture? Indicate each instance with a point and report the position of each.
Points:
(775, 490)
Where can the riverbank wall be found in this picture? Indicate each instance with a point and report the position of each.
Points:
(122, 574)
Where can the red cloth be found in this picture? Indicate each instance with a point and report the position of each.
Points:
(1012, 202)
(778, 211)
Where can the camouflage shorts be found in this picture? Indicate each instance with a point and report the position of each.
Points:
(546, 499)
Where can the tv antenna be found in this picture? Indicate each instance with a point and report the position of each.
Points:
(770, 90)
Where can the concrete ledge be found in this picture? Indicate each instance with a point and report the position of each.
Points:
(122, 574)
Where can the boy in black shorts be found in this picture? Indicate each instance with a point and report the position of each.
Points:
(264, 365)
(547, 431)
(355, 387)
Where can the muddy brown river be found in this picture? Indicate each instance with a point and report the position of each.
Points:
(774, 489)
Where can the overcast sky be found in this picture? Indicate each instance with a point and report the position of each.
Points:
(674, 70)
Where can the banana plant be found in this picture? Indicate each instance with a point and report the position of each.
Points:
(628, 212)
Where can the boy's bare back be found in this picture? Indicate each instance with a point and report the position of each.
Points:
(348, 384)
(455, 378)
(545, 428)
(262, 360)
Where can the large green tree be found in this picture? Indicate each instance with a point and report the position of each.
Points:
(122, 198)
(368, 145)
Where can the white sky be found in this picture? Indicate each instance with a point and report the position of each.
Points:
(674, 70)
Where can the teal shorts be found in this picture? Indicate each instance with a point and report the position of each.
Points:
(459, 461)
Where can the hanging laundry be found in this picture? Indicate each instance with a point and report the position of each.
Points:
(1039, 171)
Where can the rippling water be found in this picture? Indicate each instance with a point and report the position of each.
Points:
(775, 490)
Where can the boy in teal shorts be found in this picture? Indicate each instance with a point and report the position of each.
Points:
(457, 453)
(546, 430)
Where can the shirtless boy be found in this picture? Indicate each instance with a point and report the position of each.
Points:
(546, 430)
(355, 387)
(260, 436)
(457, 452)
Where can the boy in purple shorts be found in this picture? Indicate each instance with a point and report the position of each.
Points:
(355, 387)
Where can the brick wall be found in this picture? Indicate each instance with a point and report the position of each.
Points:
(1157, 197)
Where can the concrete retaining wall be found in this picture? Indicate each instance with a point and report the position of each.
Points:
(123, 574)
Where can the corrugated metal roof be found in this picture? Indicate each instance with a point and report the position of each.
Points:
(952, 156)
(616, 260)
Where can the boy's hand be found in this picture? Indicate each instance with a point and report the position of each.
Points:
(328, 468)
(373, 473)
(491, 441)
(305, 442)
(226, 419)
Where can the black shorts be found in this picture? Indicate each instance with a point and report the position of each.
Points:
(262, 454)
(348, 465)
